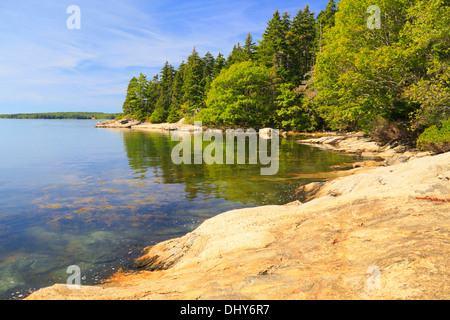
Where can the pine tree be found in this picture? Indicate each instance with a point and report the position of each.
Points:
(249, 48)
(130, 103)
(236, 55)
(327, 16)
(193, 87)
(153, 93)
(325, 20)
(273, 49)
(208, 70)
(136, 101)
(301, 41)
(220, 64)
(165, 94)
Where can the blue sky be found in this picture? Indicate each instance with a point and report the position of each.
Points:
(45, 67)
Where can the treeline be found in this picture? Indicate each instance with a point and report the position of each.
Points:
(334, 71)
(62, 115)
(253, 86)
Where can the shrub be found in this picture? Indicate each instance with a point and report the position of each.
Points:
(436, 138)
(385, 132)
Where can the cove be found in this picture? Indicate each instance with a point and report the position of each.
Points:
(72, 194)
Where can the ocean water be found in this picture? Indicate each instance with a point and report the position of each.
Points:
(73, 194)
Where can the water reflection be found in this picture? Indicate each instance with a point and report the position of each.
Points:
(97, 205)
(149, 153)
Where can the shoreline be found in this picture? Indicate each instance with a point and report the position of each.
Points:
(321, 249)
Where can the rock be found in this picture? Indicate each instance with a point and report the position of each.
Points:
(358, 143)
(265, 133)
(396, 159)
(124, 123)
(395, 220)
(400, 149)
(294, 203)
(368, 163)
(309, 189)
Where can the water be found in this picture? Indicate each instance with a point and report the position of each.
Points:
(72, 194)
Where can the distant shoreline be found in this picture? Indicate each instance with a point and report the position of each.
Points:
(62, 116)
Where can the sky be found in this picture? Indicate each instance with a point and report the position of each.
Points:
(45, 66)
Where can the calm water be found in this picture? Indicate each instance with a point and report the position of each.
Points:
(72, 194)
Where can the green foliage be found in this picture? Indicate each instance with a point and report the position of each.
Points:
(436, 138)
(301, 45)
(332, 72)
(427, 33)
(193, 85)
(364, 74)
(212, 86)
(291, 111)
(242, 96)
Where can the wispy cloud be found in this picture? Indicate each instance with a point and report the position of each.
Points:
(46, 67)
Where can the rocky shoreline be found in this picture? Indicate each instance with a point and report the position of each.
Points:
(135, 124)
(357, 143)
(392, 218)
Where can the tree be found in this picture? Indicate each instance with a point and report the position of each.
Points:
(136, 101)
(427, 41)
(325, 20)
(301, 42)
(242, 95)
(130, 103)
(208, 70)
(193, 86)
(291, 113)
(236, 55)
(273, 48)
(249, 48)
(165, 94)
(153, 93)
(360, 74)
(163, 101)
(219, 65)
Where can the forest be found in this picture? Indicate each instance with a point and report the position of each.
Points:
(351, 67)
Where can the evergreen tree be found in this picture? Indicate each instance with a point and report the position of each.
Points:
(219, 65)
(325, 20)
(208, 70)
(301, 42)
(177, 87)
(193, 87)
(249, 48)
(273, 48)
(153, 93)
(165, 94)
(136, 101)
(130, 103)
(236, 55)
